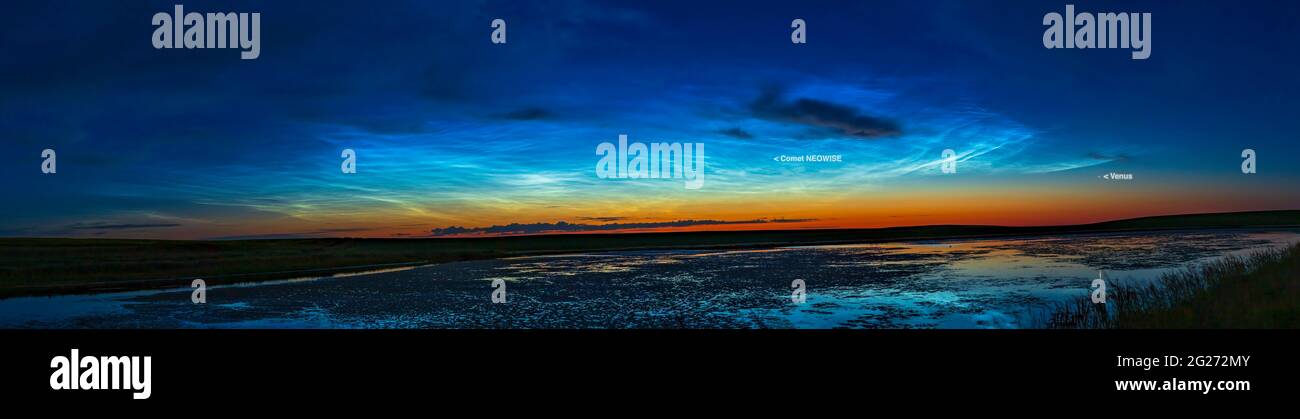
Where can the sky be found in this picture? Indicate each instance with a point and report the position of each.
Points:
(457, 136)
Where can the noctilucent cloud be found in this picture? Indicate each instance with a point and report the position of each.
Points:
(457, 136)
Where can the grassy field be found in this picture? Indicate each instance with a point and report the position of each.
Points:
(36, 266)
(1261, 290)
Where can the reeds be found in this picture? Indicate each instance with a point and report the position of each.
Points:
(1251, 291)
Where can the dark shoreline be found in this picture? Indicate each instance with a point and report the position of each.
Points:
(30, 260)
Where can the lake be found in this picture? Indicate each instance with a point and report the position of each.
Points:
(994, 283)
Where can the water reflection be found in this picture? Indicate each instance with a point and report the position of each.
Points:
(945, 284)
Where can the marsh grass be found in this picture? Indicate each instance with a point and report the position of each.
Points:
(45, 266)
(1258, 290)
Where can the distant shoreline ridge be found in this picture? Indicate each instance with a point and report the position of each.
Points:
(52, 266)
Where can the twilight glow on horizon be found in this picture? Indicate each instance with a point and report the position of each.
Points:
(457, 136)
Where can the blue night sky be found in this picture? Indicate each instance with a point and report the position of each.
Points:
(453, 131)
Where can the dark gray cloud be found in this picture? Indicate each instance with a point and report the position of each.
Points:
(602, 219)
(1109, 157)
(566, 227)
(526, 114)
(772, 105)
(111, 226)
(293, 235)
(736, 133)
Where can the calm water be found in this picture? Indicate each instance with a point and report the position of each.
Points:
(945, 284)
